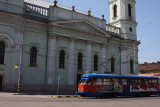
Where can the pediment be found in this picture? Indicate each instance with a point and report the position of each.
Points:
(81, 25)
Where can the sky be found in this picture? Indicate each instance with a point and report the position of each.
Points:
(147, 16)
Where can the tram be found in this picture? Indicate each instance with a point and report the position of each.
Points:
(107, 85)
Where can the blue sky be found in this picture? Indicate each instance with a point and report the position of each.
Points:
(148, 18)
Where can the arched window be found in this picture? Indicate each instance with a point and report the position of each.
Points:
(129, 10)
(2, 52)
(112, 64)
(131, 66)
(61, 59)
(33, 57)
(115, 11)
(95, 63)
(80, 61)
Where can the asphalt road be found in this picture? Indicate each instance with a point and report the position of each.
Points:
(12, 100)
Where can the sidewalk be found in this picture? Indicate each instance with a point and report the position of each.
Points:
(50, 94)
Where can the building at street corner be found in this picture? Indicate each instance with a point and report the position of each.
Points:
(48, 47)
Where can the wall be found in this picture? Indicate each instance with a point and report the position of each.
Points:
(12, 6)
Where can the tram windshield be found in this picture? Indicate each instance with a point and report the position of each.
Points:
(85, 81)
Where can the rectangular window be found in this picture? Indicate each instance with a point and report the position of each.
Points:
(144, 81)
(97, 81)
(139, 81)
(124, 82)
(117, 82)
(107, 81)
(149, 81)
(154, 81)
(132, 82)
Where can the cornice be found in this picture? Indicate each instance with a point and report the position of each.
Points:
(123, 20)
(103, 32)
(11, 16)
(35, 30)
(52, 36)
(19, 29)
(79, 30)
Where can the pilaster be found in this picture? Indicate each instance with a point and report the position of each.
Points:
(71, 67)
(124, 60)
(18, 53)
(52, 60)
(88, 55)
(104, 59)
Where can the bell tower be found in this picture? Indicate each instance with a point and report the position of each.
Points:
(122, 15)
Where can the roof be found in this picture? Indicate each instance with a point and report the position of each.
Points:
(149, 66)
(117, 76)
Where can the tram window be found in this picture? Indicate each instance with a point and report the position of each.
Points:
(146, 82)
(139, 81)
(149, 81)
(85, 82)
(132, 81)
(124, 81)
(88, 82)
(107, 81)
(117, 81)
(82, 81)
(154, 81)
(143, 81)
(97, 81)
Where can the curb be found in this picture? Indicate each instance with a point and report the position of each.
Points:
(69, 96)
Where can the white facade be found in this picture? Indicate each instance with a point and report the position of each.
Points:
(51, 29)
(127, 23)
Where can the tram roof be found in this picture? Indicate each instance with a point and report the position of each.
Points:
(118, 76)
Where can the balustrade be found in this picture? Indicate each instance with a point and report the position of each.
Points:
(113, 29)
(35, 10)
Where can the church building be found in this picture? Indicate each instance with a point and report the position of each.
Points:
(47, 47)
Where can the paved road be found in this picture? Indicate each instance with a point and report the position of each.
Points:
(11, 100)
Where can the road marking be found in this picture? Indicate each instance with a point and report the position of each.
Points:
(63, 96)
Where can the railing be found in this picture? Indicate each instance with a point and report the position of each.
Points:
(113, 29)
(35, 10)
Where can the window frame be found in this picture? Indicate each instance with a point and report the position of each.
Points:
(95, 81)
(115, 11)
(112, 64)
(111, 82)
(129, 10)
(33, 56)
(119, 81)
(131, 66)
(125, 81)
(62, 59)
(95, 63)
(2, 52)
(80, 61)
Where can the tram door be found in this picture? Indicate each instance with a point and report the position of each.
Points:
(1, 78)
(78, 79)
